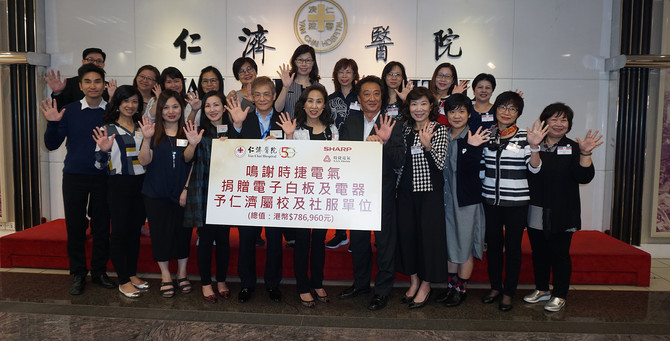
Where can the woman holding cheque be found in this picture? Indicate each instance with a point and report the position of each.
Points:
(313, 121)
(216, 124)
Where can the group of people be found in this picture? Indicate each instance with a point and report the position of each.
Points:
(458, 178)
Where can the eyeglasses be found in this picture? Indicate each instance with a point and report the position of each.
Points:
(394, 74)
(511, 109)
(146, 78)
(304, 61)
(345, 72)
(262, 95)
(94, 61)
(210, 81)
(444, 76)
(246, 70)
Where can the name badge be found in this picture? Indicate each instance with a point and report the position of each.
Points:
(513, 147)
(392, 112)
(567, 150)
(441, 110)
(487, 118)
(416, 150)
(355, 106)
(182, 142)
(277, 134)
(221, 129)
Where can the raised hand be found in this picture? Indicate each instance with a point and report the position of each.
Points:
(193, 99)
(519, 92)
(54, 82)
(384, 128)
(235, 110)
(287, 124)
(111, 87)
(537, 134)
(192, 135)
(590, 142)
(157, 90)
(285, 75)
(406, 88)
(479, 137)
(460, 87)
(426, 135)
(101, 139)
(147, 127)
(50, 110)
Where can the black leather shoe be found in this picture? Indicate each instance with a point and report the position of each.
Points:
(78, 284)
(416, 305)
(378, 302)
(245, 295)
(444, 296)
(406, 299)
(488, 299)
(503, 306)
(352, 292)
(274, 294)
(455, 298)
(104, 281)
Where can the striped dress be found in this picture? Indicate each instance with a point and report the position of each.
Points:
(505, 172)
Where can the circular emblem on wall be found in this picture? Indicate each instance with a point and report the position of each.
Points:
(320, 24)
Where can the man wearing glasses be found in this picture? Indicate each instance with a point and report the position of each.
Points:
(67, 91)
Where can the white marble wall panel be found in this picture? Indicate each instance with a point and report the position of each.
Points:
(73, 25)
(485, 28)
(158, 23)
(558, 39)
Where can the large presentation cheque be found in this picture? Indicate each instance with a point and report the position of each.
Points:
(289, 183)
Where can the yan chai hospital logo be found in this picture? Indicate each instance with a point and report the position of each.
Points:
(320, 24)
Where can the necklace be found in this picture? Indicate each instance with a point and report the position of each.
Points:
(174, 153)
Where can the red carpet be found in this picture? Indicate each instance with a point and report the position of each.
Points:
(596, 257)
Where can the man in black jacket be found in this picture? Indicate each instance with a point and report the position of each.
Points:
(68, 91)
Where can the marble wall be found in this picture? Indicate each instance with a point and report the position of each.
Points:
(551, 50)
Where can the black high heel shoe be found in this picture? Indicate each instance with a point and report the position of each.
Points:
(308, 304)
(416, 305)
(488, 299)
(322, 299)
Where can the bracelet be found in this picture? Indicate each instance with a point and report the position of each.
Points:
(185, 188)
(534, 150)
(585, 154)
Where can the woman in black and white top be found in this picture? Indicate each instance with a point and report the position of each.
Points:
(508, 156)
(303, 72)
(422, 245)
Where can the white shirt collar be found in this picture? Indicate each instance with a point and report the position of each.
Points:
(84, 104)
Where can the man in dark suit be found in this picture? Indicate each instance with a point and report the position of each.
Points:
(260, 124)
(371, 126)
(68, 91)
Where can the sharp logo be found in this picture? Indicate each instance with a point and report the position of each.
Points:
(337, 149)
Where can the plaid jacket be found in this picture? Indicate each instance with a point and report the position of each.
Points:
(428, 161)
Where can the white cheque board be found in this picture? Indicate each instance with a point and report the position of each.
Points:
(290, 183)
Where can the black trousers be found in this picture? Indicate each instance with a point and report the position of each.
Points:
(246, 262)
(386, 241)
(309, 254)
(86, 195)
(208, 235)
(169, 238)
(551, 255)
(513, 218)
(126, 208)
(422, 239)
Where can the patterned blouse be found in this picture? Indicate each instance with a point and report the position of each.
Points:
(425, 162)
(122, 158)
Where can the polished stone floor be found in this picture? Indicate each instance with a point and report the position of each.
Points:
(37, 306)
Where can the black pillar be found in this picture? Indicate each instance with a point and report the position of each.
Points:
(631, 124)
(24, 112)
